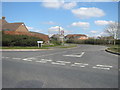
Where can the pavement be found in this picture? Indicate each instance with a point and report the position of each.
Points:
(85, 66)
(23, 49)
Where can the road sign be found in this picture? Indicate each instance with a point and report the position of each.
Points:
(39, 41)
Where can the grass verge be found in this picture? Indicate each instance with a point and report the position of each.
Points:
(114, 48)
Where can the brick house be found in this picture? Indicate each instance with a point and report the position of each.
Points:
(20, 29)
(17, 27)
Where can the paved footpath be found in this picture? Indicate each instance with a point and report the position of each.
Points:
(85, 66)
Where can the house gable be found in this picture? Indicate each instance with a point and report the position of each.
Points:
(22, 28)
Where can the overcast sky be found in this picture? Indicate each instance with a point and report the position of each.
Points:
(88, 18)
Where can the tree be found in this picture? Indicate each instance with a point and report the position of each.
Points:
(113, 29)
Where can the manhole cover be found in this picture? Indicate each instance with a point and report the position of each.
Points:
(29, 84)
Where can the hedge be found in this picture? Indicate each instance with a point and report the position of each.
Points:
(19, 40)
(92, 41)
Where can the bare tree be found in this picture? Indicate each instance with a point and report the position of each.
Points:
(113, 29)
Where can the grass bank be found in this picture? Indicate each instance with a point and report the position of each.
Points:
(44, 47)
(114, 48)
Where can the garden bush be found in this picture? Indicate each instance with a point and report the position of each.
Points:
(19, 40)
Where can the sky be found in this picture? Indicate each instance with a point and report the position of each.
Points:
(89, 18)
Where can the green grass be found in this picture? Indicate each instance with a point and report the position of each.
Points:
(44, 47)
(50, 45)
(114, 48)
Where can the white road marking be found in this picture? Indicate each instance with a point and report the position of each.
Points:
(104, 66)
(101, 68)
(78, 65)
(46, 60)
(26, 60)
(29, 59)
(63, 62)
(41, 61)
(81, 63)
(76, 55)
(58, 63)
(5, 57)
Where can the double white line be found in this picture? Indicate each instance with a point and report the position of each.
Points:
(80, 64)
(105, 67)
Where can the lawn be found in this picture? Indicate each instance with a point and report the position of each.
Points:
(44, 47)
(114, 48)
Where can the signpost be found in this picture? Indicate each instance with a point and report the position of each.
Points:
(39, 42)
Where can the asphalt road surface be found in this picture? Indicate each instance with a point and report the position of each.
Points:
(85, 66)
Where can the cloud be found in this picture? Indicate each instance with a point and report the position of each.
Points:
(53, 4)
(103, 22)
(33, 29)
(81, 24)
(58, 4)
(55, 28)
(69, 5)
(85, 13)
(102, 34)
(94, 32)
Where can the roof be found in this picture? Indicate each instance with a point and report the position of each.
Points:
(2, 22)
(11, 26)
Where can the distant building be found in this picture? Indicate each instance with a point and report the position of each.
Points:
(20, 29)
(57, 37)
(76, 37)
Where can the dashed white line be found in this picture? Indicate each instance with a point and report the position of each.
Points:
(58, 63)
(81, 63)
(63, 62)
(78, 65)
(26, 60)
(5, 57)
(41, 61)
(46, 60)
(104, 66)
(101, 68)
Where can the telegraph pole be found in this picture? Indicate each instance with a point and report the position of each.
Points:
(61, 35)
(59, 30)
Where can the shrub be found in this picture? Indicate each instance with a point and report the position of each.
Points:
(19, 40)
(88, 41)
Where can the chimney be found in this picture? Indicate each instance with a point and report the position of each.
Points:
(3, 18)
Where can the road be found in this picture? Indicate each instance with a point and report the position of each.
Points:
(85, 66)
